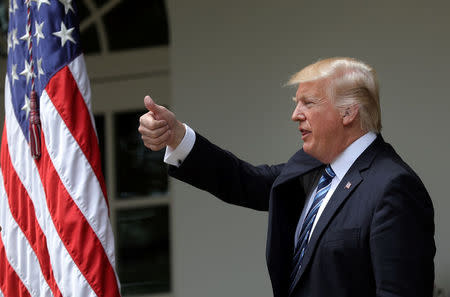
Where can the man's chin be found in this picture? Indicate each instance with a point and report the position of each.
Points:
(307, 149)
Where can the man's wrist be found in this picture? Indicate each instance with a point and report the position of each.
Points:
(176, 156)
(180, 132)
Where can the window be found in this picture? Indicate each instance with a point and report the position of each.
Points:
(122, 66)
(118, 25)
(144, 249)
(140, 172)
(138, 193)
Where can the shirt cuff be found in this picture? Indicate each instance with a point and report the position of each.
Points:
(176, 156)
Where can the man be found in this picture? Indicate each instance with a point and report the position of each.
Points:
(347, 217)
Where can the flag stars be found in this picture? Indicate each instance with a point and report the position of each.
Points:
(9, 41)
(65, 34)
(40, 70)
(14, 39)
(13, 6)
(67, 5)
(14, 76)
(27, 36)
(38, 34)
(27, 106)
(27, 72)
(40, 2)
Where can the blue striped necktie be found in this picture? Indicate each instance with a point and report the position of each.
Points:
(302, 242)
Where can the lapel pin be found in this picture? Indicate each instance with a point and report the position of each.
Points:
(348, 185)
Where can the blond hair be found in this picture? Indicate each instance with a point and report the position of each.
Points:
(347, 82)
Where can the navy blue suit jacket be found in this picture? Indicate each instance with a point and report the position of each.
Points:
(375, 237)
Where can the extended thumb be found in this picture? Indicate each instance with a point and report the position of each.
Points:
(150, 104)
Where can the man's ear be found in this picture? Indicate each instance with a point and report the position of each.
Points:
(349, 114)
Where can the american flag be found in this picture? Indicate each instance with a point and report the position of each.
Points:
(56, 237)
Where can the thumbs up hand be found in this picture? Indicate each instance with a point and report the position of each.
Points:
(159, 127)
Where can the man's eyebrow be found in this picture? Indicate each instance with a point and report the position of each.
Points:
(307, 97)
(304, 97)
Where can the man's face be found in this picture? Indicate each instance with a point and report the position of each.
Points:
(320, 122)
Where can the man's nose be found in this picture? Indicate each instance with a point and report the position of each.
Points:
(298, 114)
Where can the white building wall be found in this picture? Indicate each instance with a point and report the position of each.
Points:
(229, 60)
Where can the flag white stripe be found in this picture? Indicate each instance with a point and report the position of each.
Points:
(76, 174)
(22, 257)
(78, 69)
(66, 272)
(1, 293)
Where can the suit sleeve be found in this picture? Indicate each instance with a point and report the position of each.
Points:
(402, 240)
(222, 174)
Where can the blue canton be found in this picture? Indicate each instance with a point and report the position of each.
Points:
(55, 43)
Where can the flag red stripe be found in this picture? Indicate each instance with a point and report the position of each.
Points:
(75, 232)
(76, 116)
(24, 214)
(10, 283)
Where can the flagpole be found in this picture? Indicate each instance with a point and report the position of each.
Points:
(34, 120)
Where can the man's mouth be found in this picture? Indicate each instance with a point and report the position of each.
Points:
(304, 133)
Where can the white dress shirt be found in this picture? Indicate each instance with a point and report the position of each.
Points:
(340, 166)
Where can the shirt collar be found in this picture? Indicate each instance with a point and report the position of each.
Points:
(346, 159)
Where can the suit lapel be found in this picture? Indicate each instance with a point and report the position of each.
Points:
(345, 188)
(299, 164)
(285, 205)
